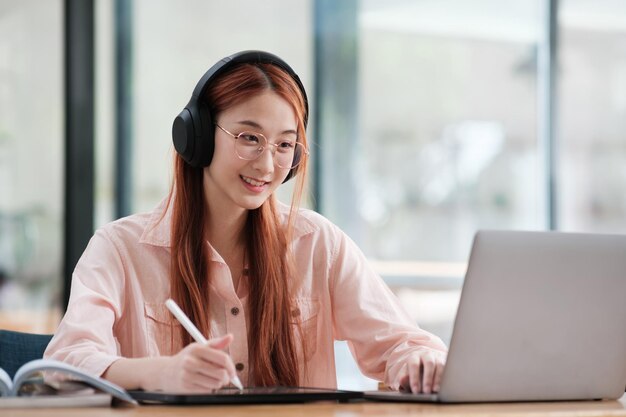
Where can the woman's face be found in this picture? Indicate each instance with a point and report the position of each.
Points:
(235, 182)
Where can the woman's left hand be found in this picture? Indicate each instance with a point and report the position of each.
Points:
(422, 371)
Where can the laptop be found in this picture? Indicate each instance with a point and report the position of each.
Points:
(542, 317)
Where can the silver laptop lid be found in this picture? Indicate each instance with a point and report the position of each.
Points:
(542, 316)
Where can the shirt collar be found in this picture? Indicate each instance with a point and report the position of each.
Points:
(301, 226)
(157, 231)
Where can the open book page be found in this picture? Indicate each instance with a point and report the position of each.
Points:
(5, 383)
(33, 367)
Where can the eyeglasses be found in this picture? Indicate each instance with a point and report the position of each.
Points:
(287, 152)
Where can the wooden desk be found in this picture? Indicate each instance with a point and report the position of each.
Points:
(365, 409)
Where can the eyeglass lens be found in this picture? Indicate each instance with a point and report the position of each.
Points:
(287, 150)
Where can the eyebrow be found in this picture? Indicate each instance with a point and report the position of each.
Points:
(254, 124)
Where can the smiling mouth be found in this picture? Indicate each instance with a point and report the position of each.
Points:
(253, 182)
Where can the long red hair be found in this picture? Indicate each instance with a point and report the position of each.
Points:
(271, 337)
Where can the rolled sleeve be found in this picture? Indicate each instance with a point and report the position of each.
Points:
(85, 336)
(380, 334)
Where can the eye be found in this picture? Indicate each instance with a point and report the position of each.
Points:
(286, 145)
(249, 138)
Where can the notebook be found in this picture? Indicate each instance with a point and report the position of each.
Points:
(256, 395)
(542, 317)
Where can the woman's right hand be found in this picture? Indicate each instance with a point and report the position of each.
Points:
(196, 368)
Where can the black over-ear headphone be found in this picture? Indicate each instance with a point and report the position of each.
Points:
(194, 131)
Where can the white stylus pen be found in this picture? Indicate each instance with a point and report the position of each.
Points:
(194, 332)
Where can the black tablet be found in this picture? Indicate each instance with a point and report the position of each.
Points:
(255, 395)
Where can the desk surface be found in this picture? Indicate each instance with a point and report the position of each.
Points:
(366, 409)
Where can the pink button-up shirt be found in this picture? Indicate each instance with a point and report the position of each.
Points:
(121, 282)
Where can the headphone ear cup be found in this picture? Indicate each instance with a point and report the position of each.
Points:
(183, 135)
(205, 140)
(194, 142)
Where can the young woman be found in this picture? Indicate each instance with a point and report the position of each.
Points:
(273, 285)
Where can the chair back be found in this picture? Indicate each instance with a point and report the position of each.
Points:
(17, 348)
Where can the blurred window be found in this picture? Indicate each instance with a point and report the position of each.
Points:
(31, 164)
(592, 116)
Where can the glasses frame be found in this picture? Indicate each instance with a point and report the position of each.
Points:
(262, 148)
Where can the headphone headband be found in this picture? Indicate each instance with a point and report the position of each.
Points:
(248, 57)
(193, 131)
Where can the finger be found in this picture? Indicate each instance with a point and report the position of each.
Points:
(194, 367)
(198, 379)
(438, 374)
(221, 360)
(403, 379)
(213, 356)
(428, 373)
(415, 375)
(221, 342)
(203, 370)
(214, 373)
(190, 362)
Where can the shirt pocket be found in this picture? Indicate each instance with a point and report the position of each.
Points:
(163, 331)
(304, 315)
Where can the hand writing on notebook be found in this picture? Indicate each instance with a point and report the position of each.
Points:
(421, 372)
(197, 368)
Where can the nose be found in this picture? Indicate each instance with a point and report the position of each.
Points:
(265, 162)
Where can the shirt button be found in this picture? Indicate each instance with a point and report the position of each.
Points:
(239, 367)
(234, 311)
